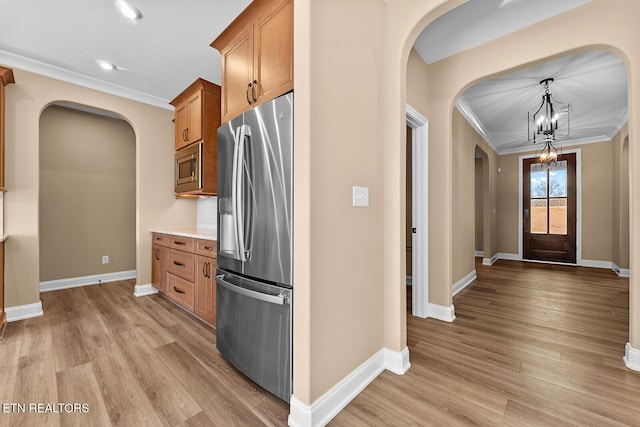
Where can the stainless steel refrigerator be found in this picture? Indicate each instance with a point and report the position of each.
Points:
(254, 277)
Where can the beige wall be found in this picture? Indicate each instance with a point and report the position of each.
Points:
(338, 258)
(87, 194)
(620, 226)
(597, 201)
(465, 140)
(351, 92)
(155, 203)
(479, 199)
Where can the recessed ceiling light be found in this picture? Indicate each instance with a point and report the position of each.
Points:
(128, 10)
(106, 65)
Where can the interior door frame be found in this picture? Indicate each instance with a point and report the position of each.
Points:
(578, 154)
(420, 212)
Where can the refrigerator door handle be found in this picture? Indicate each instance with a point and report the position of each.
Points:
(239, 191)
(274, 299)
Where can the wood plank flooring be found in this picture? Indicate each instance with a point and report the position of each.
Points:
(532, 344)
(133, 361)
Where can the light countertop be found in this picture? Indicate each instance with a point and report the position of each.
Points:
(198, 233)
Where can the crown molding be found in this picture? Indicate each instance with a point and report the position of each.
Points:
(467, 113)
(20, 62)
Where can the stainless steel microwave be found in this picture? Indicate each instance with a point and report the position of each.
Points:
(189, 168)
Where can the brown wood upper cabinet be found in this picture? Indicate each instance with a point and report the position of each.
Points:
(257, 56)
(197, 109)
(196, 122)
(6, 77)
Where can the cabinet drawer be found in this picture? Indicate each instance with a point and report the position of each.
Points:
(206, 247)
(159, 239)
(180, 242)
(181, 264)
(180, 290)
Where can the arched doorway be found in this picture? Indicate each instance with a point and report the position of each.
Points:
(87, 197)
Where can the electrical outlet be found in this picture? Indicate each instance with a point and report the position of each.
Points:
(105, 259)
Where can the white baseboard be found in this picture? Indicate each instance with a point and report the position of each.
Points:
(621, 272)
(511, 257)
(21, 312)
(440, 312)
(320, 412)
(144, 290)
(463, 283)
(75, 282)
(397, 361)
(409, 280)
(594, 263)
(631, 357)
(479, 254)
(490, 261)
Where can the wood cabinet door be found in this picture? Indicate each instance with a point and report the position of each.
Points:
(181, 126)
(273, 52)
(205, 291)
(158, 264)
(237, 74)
(194, 118)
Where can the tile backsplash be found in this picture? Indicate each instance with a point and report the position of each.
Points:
(207, 211)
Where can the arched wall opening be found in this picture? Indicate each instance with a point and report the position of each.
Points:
(155, 204)
(87, 197)
(449, 78)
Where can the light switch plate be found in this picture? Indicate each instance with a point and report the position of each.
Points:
(360, 196)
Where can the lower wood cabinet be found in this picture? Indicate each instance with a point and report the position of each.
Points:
(206, 288)
(183, 269)
(158, 266)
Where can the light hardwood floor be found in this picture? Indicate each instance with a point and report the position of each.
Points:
(532, 345)
(134, 361)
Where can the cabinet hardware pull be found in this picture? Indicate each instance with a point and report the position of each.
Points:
(247, 93)
(208, 270)
(184, 138)
(204, 269)
(209, 248)
(178, 290)
(158, 254)
(255, 86)
(179, 243)
(187, 134)
(178, 263)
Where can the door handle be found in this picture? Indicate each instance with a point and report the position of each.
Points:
(274, 299)
(255, 85)
(249, 87)
(413, 230)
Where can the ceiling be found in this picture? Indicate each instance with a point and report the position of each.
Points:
(161, 54)
(157, 56)
(594, 83)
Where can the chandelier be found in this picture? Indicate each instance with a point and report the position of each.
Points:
(544, 124)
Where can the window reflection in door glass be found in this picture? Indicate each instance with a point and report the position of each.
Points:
(539, 216)
(538, 181)
(558, 216)
(558, 180)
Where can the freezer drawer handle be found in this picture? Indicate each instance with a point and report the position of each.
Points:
(275, 299)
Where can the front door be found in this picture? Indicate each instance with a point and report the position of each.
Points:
(549, 210)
